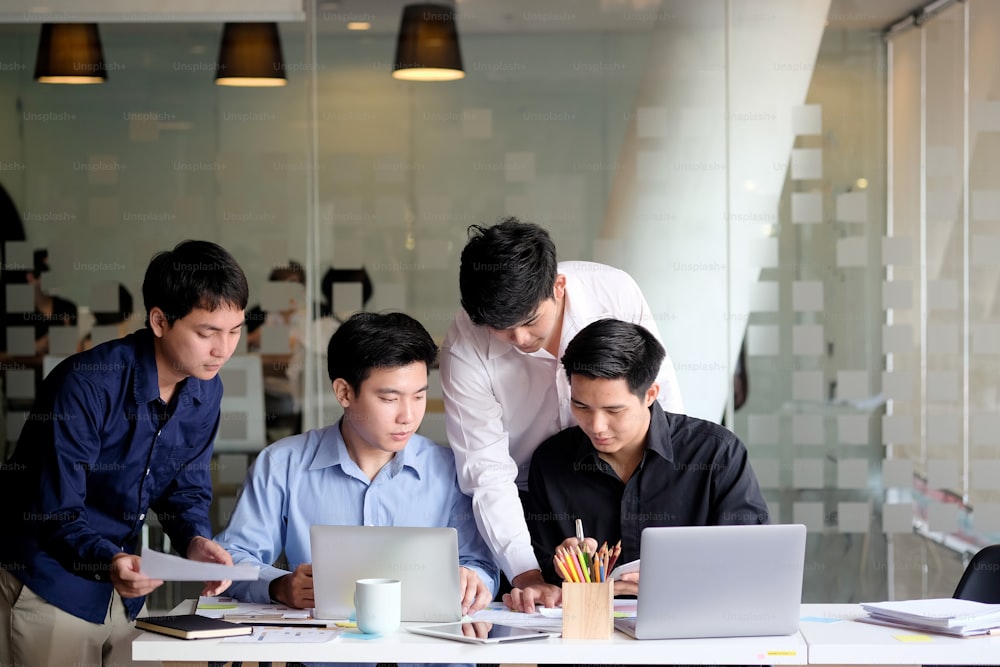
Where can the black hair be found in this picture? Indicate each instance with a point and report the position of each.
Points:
(116, 316)
(611, 349)
(195, 274)
(507, 270)
(334, 276)
(293, 272)
(17, 273)
(377, 340)
(256, 316)
(40, 262)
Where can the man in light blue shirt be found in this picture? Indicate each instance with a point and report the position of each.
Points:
(371, 469)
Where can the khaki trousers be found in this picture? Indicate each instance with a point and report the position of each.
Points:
(35, 633)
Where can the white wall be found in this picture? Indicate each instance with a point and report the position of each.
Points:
(699, 190)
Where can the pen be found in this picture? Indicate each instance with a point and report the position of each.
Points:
(579, 530)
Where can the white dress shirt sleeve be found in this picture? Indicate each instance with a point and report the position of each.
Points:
(670, 391)
(485, 468)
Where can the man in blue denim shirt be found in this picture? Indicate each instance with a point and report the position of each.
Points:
(371, 468)
(116, 431)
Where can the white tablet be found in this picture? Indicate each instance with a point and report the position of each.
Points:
(481, 632)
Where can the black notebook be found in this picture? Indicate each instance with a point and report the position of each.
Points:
(192, 626)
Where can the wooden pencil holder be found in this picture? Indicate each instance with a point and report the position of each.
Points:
(588, 610)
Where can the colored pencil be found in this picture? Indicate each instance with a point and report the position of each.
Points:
(562, 570)
(614, 555)
(583, 564)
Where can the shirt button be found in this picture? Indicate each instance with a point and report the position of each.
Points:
(147, 471)
(142, 516)
(97, 577)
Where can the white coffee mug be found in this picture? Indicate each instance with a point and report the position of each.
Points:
(377, 605)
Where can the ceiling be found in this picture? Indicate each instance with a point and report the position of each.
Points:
(509, 16)
(870, 14)
(474, 16)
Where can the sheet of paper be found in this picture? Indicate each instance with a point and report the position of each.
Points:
(231, 609)
(497, 612)
(624, 568)
(158, 565)
(623, 609)
(939, 611)
(263, 635)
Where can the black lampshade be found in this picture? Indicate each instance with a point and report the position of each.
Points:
(427, 47)
(250, 55)
(70, 53)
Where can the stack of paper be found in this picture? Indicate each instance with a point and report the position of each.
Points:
(252, 613)
(950, 616)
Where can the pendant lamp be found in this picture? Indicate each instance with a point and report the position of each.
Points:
(70, 53)
(250, 55)
(427, 46)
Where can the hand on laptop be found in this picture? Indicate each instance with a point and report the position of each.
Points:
(530, 589)
(294, 589)
(475, 595)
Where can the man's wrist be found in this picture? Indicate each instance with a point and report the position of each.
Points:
(529, 578)
(272, 590)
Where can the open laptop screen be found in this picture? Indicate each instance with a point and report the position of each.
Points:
(719, 581)
(425, 560)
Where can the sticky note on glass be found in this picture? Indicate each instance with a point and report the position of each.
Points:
(807, 163)
(807, 207)
(912, 638)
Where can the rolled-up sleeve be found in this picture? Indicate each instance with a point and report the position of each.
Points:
(486, 470)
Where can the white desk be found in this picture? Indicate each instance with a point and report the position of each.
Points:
(840, 642)
(845, 642)
(404, 646)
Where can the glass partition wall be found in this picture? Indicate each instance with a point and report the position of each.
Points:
(939, 296)
(731, 155)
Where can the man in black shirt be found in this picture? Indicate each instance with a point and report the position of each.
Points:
(629, 464)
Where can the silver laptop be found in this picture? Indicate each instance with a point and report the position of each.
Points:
(425, 560)
(719, 581)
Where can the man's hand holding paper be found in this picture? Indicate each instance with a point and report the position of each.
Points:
(205, 550)
(205, 564)
(127, 578)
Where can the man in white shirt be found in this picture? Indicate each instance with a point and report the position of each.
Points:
(504, 389)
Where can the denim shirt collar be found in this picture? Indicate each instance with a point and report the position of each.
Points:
(147, 378)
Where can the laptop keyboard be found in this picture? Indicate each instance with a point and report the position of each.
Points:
(626, 625)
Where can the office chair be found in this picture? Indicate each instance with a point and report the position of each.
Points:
(981, 580)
